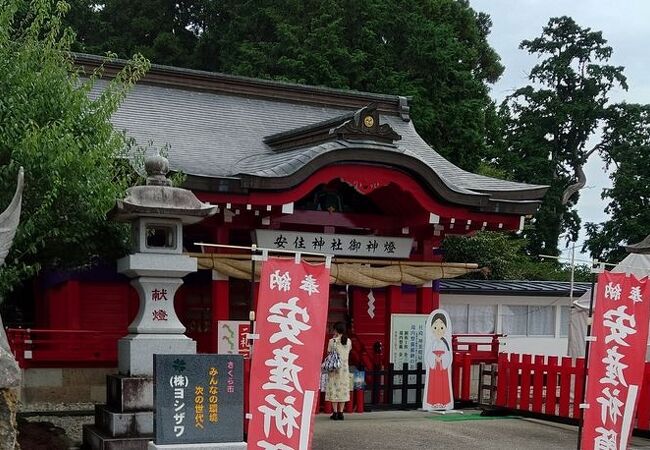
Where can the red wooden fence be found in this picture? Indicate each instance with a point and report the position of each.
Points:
(478, 347)
(461, 373)
(552, 386)
(63, 348)
(85, 348)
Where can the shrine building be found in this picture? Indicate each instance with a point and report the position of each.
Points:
(290, 167)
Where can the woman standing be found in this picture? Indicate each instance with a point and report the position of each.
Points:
(338, 383)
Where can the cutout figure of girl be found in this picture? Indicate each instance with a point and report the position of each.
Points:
(438, 357)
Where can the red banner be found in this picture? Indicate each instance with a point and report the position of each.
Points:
(285, 372)
(616, 360)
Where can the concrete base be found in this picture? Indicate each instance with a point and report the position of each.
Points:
(220, 446)
(120, 424)
(96, 439)
(128, 394)
(126, 422)
(135, 351)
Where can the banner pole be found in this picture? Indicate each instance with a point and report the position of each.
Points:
(251, 302)
(587, 345)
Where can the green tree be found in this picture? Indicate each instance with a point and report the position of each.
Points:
(163, 31)
(50, 125)
(502, 257)
(433, 50)
(547, 124)
(625, 148)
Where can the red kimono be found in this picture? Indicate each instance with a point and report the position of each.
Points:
(439, 377)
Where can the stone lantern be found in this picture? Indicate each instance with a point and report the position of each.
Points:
(157, 213)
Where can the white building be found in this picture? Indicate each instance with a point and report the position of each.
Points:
(533, 316)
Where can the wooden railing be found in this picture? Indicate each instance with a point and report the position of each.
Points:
(553, 387)
(478, 347)
(63, 348)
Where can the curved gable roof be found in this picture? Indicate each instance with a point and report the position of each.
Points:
(216, 127)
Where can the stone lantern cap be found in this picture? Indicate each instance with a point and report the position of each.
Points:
(159, 199)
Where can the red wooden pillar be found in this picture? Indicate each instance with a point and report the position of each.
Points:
(393, 306)
(220, 306)
(220, 301)
(427, 298)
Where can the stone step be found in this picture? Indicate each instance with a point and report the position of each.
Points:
(119, 424)
(129, 394)
(96, 439)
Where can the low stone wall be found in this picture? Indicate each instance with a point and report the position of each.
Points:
(64, 385)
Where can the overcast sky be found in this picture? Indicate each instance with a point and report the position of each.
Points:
(625, 25)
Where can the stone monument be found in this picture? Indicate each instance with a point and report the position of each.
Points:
(199, 402)
(157, 213)
(9, 370)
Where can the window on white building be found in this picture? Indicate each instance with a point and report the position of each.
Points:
(514, 319)
(472, 318)
(528, 320)
(565, 315)
(541, 321)
(458, 317)
(482, 319)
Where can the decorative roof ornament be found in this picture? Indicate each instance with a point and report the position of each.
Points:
(364, 125)
(360, 125)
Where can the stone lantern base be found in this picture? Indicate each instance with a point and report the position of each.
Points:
(135, 351)
(126, 421)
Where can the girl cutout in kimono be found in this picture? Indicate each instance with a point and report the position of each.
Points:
(438, 359)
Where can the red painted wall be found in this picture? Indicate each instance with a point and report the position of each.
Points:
(371, 330)
(105, 306)
(88, 305)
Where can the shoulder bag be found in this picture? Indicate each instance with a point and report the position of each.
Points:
(332, 361)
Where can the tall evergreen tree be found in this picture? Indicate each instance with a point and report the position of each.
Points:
(163, 31)
(549, 122)
(433, 50)
(626, 150)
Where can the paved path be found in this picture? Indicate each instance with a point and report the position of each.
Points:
(417, 430)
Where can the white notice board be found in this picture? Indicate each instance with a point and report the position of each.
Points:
(407, 339)
(407, 346)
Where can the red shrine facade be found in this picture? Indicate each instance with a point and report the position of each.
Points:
(292, 167)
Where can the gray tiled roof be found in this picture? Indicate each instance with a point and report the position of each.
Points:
(217, 134)
(512, 287)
